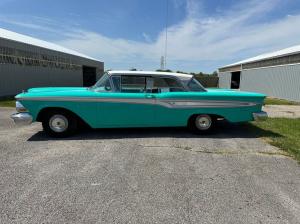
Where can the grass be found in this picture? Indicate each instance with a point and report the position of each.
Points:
(275, 101)
(7, 103)
(285, 134)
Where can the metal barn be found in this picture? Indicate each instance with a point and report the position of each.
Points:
(27, 62)
(275, 74)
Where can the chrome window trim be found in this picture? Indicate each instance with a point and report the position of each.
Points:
(146, 76)
(183, 84)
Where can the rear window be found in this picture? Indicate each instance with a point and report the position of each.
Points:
(195, 86)
(167, 85)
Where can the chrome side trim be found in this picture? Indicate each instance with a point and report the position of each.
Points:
(94, 99)
(260, 116)
(204, 104)
(22, 118)
(169, 103)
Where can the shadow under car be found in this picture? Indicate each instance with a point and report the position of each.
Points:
(223, 130)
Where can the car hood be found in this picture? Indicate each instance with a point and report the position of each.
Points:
(55, 92)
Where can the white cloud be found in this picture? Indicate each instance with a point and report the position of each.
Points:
(147, 37)
(233, 34)
(200, 42)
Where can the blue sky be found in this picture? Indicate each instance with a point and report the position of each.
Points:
(203, 34)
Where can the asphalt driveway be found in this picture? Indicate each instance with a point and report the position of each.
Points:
(144, 176)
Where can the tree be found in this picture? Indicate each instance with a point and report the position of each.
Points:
(162, 70)
(215, 73)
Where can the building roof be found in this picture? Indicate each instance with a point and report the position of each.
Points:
(275, 54)
(179, 75)
(6, 34)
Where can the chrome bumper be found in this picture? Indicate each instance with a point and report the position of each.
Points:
(260, 116)
(22, 118)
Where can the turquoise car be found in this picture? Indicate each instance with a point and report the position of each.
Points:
(123, 99)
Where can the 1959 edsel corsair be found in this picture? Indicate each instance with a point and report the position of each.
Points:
(136, 99)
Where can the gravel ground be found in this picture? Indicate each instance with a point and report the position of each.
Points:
(288, 111)
(144, 176)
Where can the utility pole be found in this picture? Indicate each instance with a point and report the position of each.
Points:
(166, 40)
(162, 63)
(163, 59)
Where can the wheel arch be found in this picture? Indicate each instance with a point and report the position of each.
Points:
(213, 116)
(46, 110)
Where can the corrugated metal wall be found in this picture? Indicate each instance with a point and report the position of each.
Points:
(15, 77)
(278, 81)
(224, 80)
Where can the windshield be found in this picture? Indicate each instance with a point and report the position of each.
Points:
(195, 86)
(103, 85)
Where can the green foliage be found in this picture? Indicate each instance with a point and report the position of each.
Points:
(275, 101)
(285, 134)
(7, 103)
(200, 74)
(162, 70)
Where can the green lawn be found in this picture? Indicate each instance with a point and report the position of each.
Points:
(283, 133)
(275, 101)
(7, 103)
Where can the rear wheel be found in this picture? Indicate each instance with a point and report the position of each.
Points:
(202, 123)
(59, 124)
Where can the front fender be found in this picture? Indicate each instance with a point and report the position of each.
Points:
(86, 112)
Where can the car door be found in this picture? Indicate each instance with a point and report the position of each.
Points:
(168, 91)
(129, 105)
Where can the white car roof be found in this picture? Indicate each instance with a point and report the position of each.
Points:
(179, 75)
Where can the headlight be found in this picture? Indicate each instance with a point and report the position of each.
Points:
(20, 107)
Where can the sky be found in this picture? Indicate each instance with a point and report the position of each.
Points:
(203, 35)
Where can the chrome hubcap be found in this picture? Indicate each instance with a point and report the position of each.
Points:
(58, 123)
(203, 122)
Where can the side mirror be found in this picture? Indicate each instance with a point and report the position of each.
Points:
(107, 88)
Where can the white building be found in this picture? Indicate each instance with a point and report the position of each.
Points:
(27, 62)
(276, 74)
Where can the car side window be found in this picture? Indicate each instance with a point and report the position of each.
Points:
(116, 80)
(167, 85)
(195, 86)
(133, 84)
(103, 85)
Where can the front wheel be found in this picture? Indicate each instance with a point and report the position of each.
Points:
(59, 124)
(202, 123)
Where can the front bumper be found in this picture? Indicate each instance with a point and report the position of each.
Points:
(260, 116)
(22, 118)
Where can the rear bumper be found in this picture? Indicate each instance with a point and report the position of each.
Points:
(260, 116)
(22, 118)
